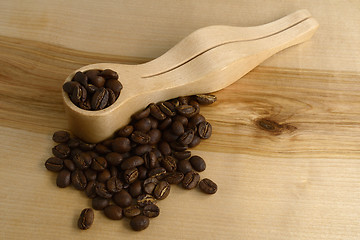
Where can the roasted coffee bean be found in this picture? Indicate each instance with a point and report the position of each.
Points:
(184, 166)
(179, 147)
(102, 191)
(90, 189)
(61, 151)
(99, 164)
(86, 219)
(140, 137)
(165, 123)
(177, 128)
(196, 141)
(90, 174)
(91, 89)
(141, 114)
(99, 203)
(86, 105)
(69, 165)
(131, 211)
(151, 211)
(204, 130)
(154, 122)
(104, 176)
(63, 178)
(150, 160)
(114, 158)
(187, 110)
(164, 148)
(139, 223)
(143, 125)
(113, 212)
(93, 154)
(114, 85)
(205, 99)
(125, 131)
(97, 81)
(61, 137)
(162, 190)
(73, 143)
(145, 199)
(78, 180)
(142, 173)
(80, 78)
(184, 100)
(78, 95)
(174, 178)
(122, 199)
(135, 189)
(132, 162)
(169, 163)
(155, 136)
(114, 184)
(175, 102)
(182, 155)
(208, 186)
(156, 112)
(142, 149)
(196, 120)
(68, 87)
(149, 184)
(92, 72)
(184, 121)
(109, 74)
(113, 171)
(102, 149)
(194, 103)
(187, 137)
(121, 145)
(100, 99)
(54, 164)
(112, 97)
(86, 146)
(191, 180)
(167, 108)
(107, 143)
(130, 175)
(197, 163)
(169, 136)
(82, 160)
(158, 173)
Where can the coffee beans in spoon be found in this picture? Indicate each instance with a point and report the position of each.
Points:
(130, 173)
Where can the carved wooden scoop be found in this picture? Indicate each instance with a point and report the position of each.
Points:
(207, 60)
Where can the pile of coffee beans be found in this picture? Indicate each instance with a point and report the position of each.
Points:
(94, 89)
(126, 175)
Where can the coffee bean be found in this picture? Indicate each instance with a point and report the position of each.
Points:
(121, 145)
(143, 125)
(122, 199)
(99, 164)
(86, 105)
(86, 219)
(204, 130)
(194, 103)
(113, 212)
(135, 189)
(208, 186)
(130, 175)
(61, 137)
(82, 160)
(154, 122)
(102, 191)
(182, 155)
(165, 123)
(158, 173)
(142, 173)
(169, 163)
(125, 131)
(164, 148)
(91, 89)
(114, 184)
(131, 211)
(86, 146)
(162, 190)
(78, 179)
(112, 97)
(169, 136)
(167, 108)
(196, 141)
(175, 178)
(187, 137)
(102, 149)
(184, 166)
(132, 162)
(73, 143)
(99, 99)
(68, 87)
(177, 128)
(92, 72)
(184, 121)
(175, 102)
(184, 100)
(61, 151)
(114, 158)
(80, 78)
(197, 163)
(179, 147)
(69, 165)
(145, 199)
(150, 160)
(187, 110)
(104, 176)
(54, 164)
(142, 149)
(78, 95)
(196, 120)
(97, 81)
(114, 171)
(151, 211)
(90, 174)
(109, 74)
(115, 86)
(205, 99)
(90, 189)
(99, 203)
(63, 178)
(155, 136)
(140, 137)
(141, 114)
(139, 223)
(156, 112)
(191, 180)
(149, 184)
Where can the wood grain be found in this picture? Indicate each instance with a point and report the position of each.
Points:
(285, 145)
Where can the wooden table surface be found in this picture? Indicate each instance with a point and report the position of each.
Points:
(300, 180)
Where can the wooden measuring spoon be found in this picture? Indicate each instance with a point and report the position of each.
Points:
(207, 60)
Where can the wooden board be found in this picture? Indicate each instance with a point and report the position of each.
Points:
(296, 177)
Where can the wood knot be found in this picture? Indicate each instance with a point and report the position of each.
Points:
(273, 127)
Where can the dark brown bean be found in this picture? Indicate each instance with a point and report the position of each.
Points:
(155, 136)
(184, 166)
(82, 160)
(143, 125)
(114, 85)
(145, 199)
(141, 114)
(194, 103)
(182, 155)
(158, 172)
(69, 165)
(205, 130)
(142, 172)
(80, 78)
(167, 108)
(169, 136)
(73, 143)
(78, 180)
(205, 99)
(97, 81)
(154, 122)
(179, 147)
(184, 121)
(208, 186)
(177, 128)
(156, 112)
(151, 211)
(69, 87)
(78, 95)
(191, 180)
(114, 184)
(113, 212)
(114, 158)
(122, 199)
(86, 219)
(102, 149)
(112, 97)
(125, 131)
(150, 160)
(139, 223)
(164, 148)
(196, 120)
(130, 175)
(63, 178)
(99, 203)
(196, 141)
(61, 151)
(169, 163)
(175, 178)
(90, 189)
(187, 110)
(109, 74)
(140, 137)
(165, 123)
(121, 145)
(91, 89)
(184, 100)
(104, 176)
(102, 191)
(86, 146)
(135, 189)
(54, 164)
(131, 211)
(90, 174)
(187, 137)
(162, 190)
(100, 99)
(132, 162)
(197, 163)
(61, 137)
(99, 164)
